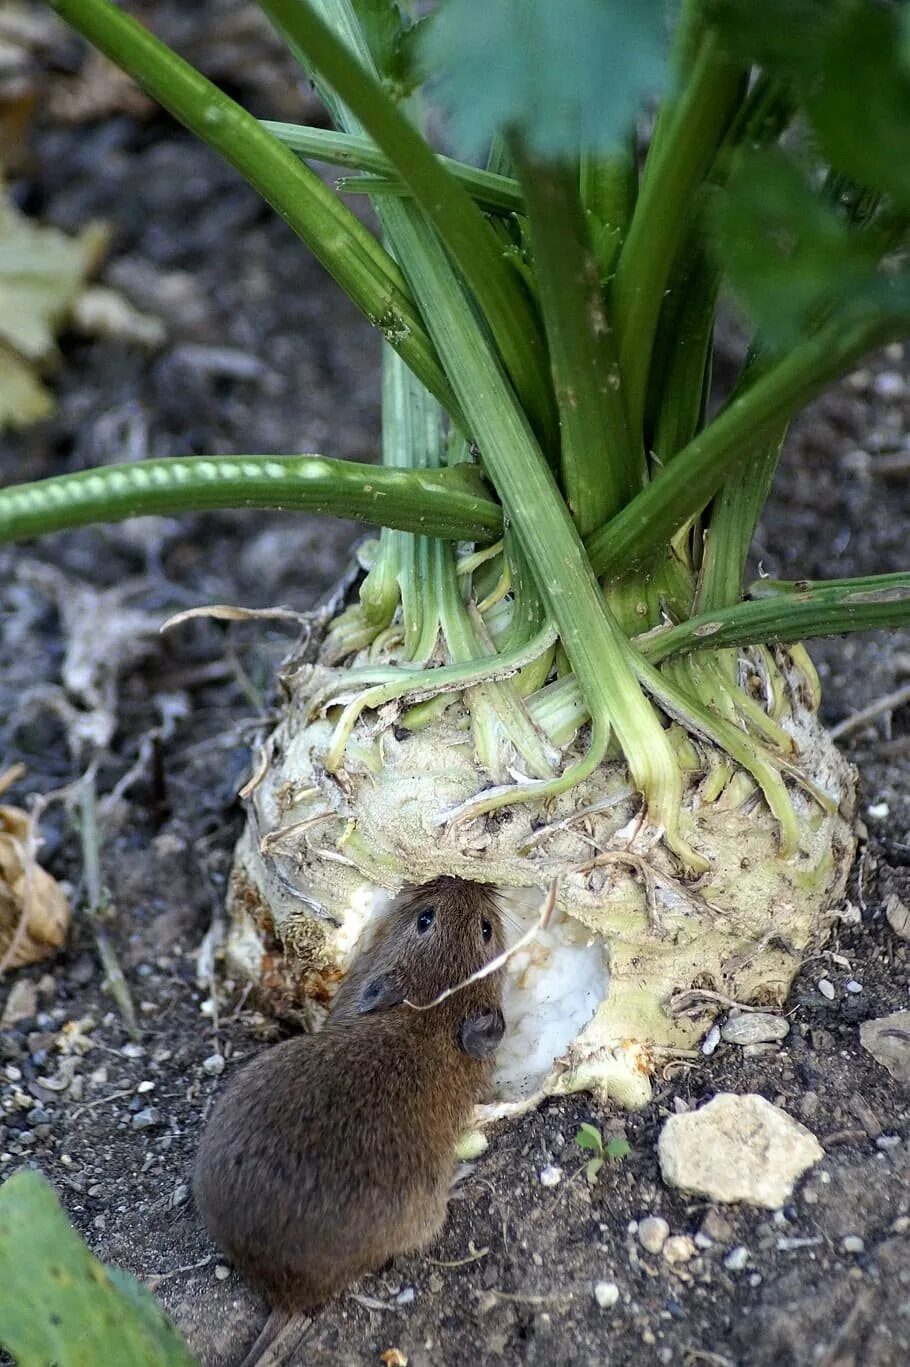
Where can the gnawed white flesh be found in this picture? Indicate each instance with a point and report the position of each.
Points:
(613, 985)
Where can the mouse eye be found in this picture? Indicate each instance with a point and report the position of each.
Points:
(486, 929)
(425, 920)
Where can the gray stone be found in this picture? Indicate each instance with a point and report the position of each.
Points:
(888, 1041)
(606, 1294)
(737, 1148)
(652, 1233)
(754, 1027)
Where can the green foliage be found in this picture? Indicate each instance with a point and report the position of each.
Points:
(590, 1139)
(395, 43)
(791, 258)
(59, 1305)
(800, 247)
(566, 75)
(861, 110)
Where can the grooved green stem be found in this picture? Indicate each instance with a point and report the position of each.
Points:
(789, 612)
(361, 154)
(599, 473)
(680, 155)
(439, 503)
(686, 485)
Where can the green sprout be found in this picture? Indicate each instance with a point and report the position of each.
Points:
(590, 1139)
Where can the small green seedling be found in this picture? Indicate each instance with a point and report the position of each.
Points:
(590, 1138)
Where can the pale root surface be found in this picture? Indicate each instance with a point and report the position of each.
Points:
(638, 958)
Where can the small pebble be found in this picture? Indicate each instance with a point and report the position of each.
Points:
(221, 1272)
(653, 1232)
(435, 1283)
(406, 1296)
(39, 1116)
(606, 1294)
(754, 1027)
(736, 1259)
(213, 1065)
(826, 988)
(679, 1248)
(132, 1051)
(878, 811)
(711, 1040)
(146, 1118)
(853, 986)
(853, 1244)
(550, 1176)
(145, 1087)
(716, 1228)
(901, 1225)
(887, 1141)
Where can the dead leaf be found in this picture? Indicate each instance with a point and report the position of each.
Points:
(108, 314)
(98, 91)
(42, 272)
(34, 913)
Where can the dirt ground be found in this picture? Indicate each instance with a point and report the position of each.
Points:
(264, 354)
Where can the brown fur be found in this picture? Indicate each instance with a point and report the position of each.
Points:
(333, 1152)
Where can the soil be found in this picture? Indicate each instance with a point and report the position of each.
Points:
(264, 353)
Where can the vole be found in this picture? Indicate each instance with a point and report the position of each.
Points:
(331, 1153)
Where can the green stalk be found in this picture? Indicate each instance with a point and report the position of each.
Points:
(734, 517)
(443, 503)
(600, 472)
(686, 485)
(335, 236)
(594, 643)
(609, 187)
(788, 612)
(472, 245)
(681, 369)
(685, 141)
(361, 154)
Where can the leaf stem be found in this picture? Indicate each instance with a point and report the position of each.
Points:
(443, 503)
(685, 486)
(360, 153)
(685, 142)
(599, 474)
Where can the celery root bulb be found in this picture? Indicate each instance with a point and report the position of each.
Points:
(639, 956)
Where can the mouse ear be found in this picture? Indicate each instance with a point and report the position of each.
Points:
(479, 1035)
(379, 993)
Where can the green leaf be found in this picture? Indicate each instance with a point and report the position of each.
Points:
(589, 1137)
(567, 75)
(861, 111)
(382, 25)
(781, 35)
(789, 256)
(59, 1305)
(592, 1169)
(617, 1148)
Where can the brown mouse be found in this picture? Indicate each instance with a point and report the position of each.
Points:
(331, 1153)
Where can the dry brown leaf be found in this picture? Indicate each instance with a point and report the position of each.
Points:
(34, 913)
(98, 91)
